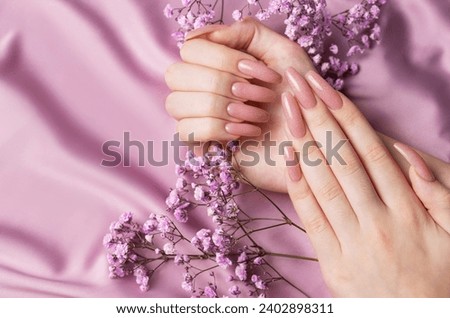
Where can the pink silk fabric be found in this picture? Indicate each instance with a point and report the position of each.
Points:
(74, 74)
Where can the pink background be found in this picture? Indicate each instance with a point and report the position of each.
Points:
(74, 74)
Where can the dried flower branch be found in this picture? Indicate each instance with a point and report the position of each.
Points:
(206, 184)
(308, 22)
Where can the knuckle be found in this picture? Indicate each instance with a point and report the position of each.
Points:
(381, 237)
(301, 193)
(182, 130)
(213, 105)
(216, 83)
(351, 167)
(319, 120)
(311, 149)
(209, 130)
(330, 191)
(351, 119)
(376, 153)
(316, 225)
(445, 198)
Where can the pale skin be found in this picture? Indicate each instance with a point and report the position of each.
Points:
(381, 220)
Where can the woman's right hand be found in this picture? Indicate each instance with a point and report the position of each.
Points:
(375, 235)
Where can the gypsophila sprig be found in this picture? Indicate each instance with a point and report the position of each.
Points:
(206, 185)
(308, 23)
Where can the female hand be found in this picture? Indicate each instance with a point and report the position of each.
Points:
(373, 233)
(203, 101)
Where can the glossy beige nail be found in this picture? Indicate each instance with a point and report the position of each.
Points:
(293, 115)
(415, 160)
(324, 90)
(301, 88)
(292, 165)
(252, 92)
(247, 113)
(242, 129)
(259, 70)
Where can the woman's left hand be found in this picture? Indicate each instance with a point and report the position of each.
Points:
(375, 235)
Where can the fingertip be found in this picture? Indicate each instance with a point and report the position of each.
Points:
(204, 30)
(258, 70)
(416, 161)
(324, 90)
(242, 129)
(292, 166)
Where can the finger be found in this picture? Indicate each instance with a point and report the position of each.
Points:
(318, 174)
(200, 104)
(259, 41)
(223, 58)
(386, 175)
(322, 235)
(339, 153)
(213, 129)
(189, 77)
(433, 194)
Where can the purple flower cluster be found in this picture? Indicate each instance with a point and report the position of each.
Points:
(308, 22)
(205, 184)
(127, 241)
(192, 14)
(208, 181)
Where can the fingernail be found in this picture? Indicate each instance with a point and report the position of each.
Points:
(252, 92)
(292, 164)
(293, 115)
(204, 30)
(243, 129)
(259, 70)
(247, 113)
(324, 90)
(415, 160)
(301, 89)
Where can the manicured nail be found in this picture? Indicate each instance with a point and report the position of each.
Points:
(301, 88)
(292, 164)
(415, 160)
(259, 70)
(204, 30)
(293, 115)
(242, 129)
(248, 113)
(324, 90)
(252, 92)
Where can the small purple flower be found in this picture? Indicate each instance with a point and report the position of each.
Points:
(354, 49)
(168, 11)
(256, 279)
(180, 184)
(237, 15)
(126, 218)
(151, 225)
(169, 248)
(241, 272)
(187, 283)
(234, 290)
(210, 291)
(334, 49)
(173, 199)
(258, 261)
(181, 215)
(223, 261)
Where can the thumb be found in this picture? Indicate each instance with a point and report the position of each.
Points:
(263, 43)
(433, 194)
